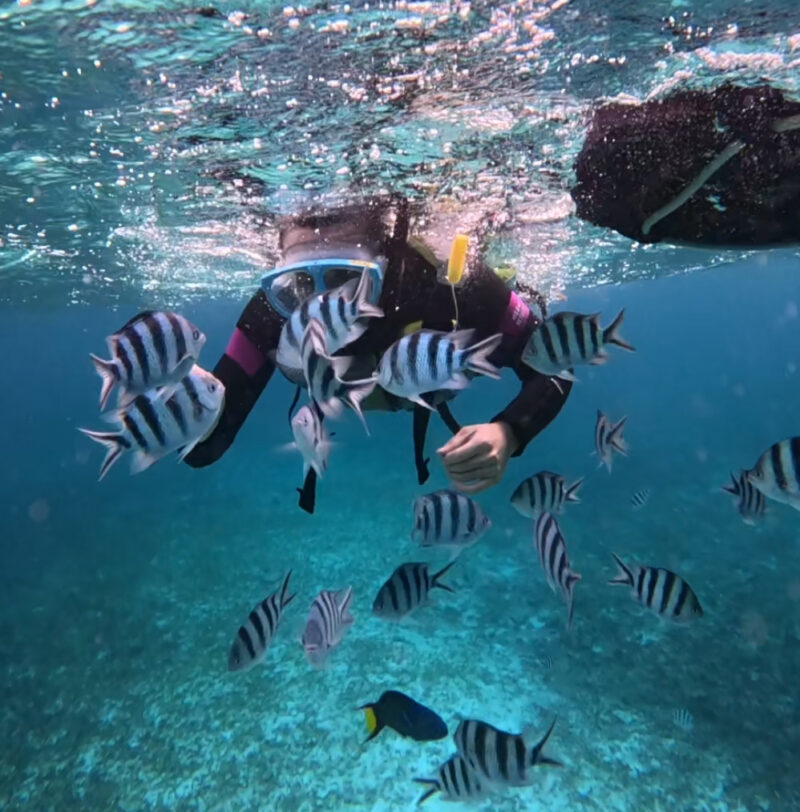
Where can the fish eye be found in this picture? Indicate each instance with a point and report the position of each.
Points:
(212, 387)
(196, 335)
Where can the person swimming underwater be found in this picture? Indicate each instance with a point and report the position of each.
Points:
(320, 248)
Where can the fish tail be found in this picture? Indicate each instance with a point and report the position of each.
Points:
(284, 602)
(374, 725)
(477, 356)
(611, 336)
(733, 487)
(624, 575)
(115, 444)
(572, 579)
(438, 575)
(434, 785)
(615, 437)
(572, 492)
(109, 372)
(537, 756)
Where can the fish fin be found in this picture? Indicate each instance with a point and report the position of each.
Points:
(611, 336)
(477, 356)
(455, 552)
(462, 338)
(557, 385)
(616, 439)
(365, 308)
(141, 461)
(536, 755)
(345, 596)
(330, 408)
(434, 785)
(572, 579)
(458, 380)
(284, 601)
(566, 375)
(418, 400)
(124, 399)
(438, 575)
(600, 358)
(624, 576)
(733, 487)
(187, 449)
(114, 443)
(286, 447)
(357, 393)
(572, 492)
(341, 364)
(183, 367)
(109, 373)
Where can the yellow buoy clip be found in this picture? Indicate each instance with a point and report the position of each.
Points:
(458, 258)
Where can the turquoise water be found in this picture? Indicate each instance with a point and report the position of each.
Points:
(121, 598)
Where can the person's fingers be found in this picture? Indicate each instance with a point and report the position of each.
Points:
(480, 463)
(475, 487)
(474, 449)
(474, 473)
(464, 435)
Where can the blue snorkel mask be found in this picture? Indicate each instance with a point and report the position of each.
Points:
(288, 286)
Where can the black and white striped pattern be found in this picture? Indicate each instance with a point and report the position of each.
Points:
(640, 498)
(608, 439)
(455, 781)
(777, 472)
(544, 492)
(153, 349)
(552, 550)
(341, 313)
(256, 633)
(750, 502)
(499, 757)
(311, 439)
(448, 519)
(406, 590)
(157, 422)
(430, 360)
(569, 339)
(660, 590)
(327, 623)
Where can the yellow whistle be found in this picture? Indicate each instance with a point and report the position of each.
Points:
(458, 258)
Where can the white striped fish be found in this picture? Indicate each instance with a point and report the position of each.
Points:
(750, 502)
(660, 590)
(448, 519)
(640, 498)
(328, 621)
(777, 472)
(544, 492)
(608, 439)
(406, 590)
(498, 757)
(430, 360)
(455, 781)
(569, 339)
(552, 550)
(323, 375)
(256, 633)
(151, 350)
(311, 439)
(340, 311)
(157, 422)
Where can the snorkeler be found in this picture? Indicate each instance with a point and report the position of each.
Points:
(322, 249)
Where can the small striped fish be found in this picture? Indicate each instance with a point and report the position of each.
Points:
(157, 423)
(323, 376)
(751, 503)
(328, 621)
(569, 339)
(552, 550)
(256, 633)
(608, 439)
(640, 498)
(311, 439)
(499, 757)
(429, 360)
(339, 311)
(406, 590)
(660, 590)
(448, 519)
(151, 350)
(455, 781)
(544, 492)
(777, 472)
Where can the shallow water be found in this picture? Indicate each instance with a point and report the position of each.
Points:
(122, 597)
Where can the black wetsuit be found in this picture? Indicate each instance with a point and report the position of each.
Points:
(410, 294)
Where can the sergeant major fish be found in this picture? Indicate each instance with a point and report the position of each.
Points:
(157, 422)
(552, 549)
(403, 715)
(568, 339)
(455, 781)
(544, 492)
(256, 633)
(311, 439)
(151, 350)
(448, 519)
(777, 472)
(430, 360)
(498, 757)
(751, 503)
(406, 590)
(660, 590)
(327, 624)
(608, 439)
(640, 498)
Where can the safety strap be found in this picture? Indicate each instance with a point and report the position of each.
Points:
(422, 417)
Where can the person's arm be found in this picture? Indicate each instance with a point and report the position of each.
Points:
(244, 369)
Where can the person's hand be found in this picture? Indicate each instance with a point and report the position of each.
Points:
(476, 457)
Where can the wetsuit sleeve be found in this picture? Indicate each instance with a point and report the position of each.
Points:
(534, 407)
(244, 370)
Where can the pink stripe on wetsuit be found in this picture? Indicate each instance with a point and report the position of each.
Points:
(242, 350)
